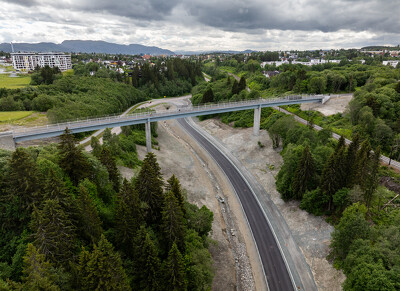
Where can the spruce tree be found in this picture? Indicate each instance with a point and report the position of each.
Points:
(208, 96)
(371, 181)
(55, 189)
(333, 175)
(96, 146)
(72, 160)
(128, 216)
(235, 87)
(89, 221)
(304, 177)
(24, 185)
(54, 234)
(351, 157)
(174, 270)
(172, 222)
(37, 271)
(149, 185)
(242, 84)
(102, 268)
(175, 187)
(362, 159)
(109, 162)
(146, 263)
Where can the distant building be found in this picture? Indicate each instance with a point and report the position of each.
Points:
(390, 63)
(29, 61)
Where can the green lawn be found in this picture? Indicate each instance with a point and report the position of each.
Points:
(8, 116)
(14, 83)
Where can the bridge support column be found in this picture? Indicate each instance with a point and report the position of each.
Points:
(148, 136)
(257, 118)
(7, 141)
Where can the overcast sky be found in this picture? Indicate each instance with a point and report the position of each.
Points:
(205, 24)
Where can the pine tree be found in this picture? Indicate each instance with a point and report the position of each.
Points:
(37, 271)
(175, 187)
(109, 162)
(304, 177)
(351, 157)
(146, 263)
(174, 270)
(128, 216)
(72, 160)
(172, 222)
(149, 185)
(54, 234)
(89, 221)
(102, 269)
(24, 185)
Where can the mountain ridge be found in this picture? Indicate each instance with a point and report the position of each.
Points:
(86, 46)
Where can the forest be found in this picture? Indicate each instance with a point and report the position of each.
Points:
(77, 94)
(71, 222)
(343, 183)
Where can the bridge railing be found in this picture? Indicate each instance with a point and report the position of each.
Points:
(144, 115)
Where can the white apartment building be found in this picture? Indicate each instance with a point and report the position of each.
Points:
(29, 61)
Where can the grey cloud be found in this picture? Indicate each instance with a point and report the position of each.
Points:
(323, 15)
(27, 3)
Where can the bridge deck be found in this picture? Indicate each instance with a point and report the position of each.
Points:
(115, 121)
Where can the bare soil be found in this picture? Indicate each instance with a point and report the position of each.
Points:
(312, 234)
(337, 104)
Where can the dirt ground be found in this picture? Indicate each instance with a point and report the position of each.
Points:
(337, 104)
(206, 185)
(311, 233)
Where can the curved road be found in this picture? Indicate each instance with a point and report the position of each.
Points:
(274, 266)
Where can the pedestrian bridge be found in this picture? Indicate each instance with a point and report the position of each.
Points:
(31, 133)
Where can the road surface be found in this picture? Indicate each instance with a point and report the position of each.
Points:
(274, 266)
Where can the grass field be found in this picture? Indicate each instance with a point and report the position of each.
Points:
(22, 118)
(14, 83)
(9, 116)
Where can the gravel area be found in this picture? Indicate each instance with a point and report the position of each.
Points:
(312, 234)
(337, 104)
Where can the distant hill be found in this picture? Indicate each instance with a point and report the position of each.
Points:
(213, 52)
(86, 46)
(377, 47)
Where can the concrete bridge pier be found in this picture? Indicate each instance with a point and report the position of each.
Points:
(256, 123)
(7, 141)
(148, 136)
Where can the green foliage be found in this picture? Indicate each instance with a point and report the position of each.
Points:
(102, 269)
(149, 185)
(147, 264)
(109, 162)
(54, 234)
(352, 226)
(172, 221)
(174, 270)
(128, 216)
(72, 161)
(68, 217)
(38, 272)
(304, 176)
(89, 221)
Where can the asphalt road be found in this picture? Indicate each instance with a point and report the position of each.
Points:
(274, 266)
